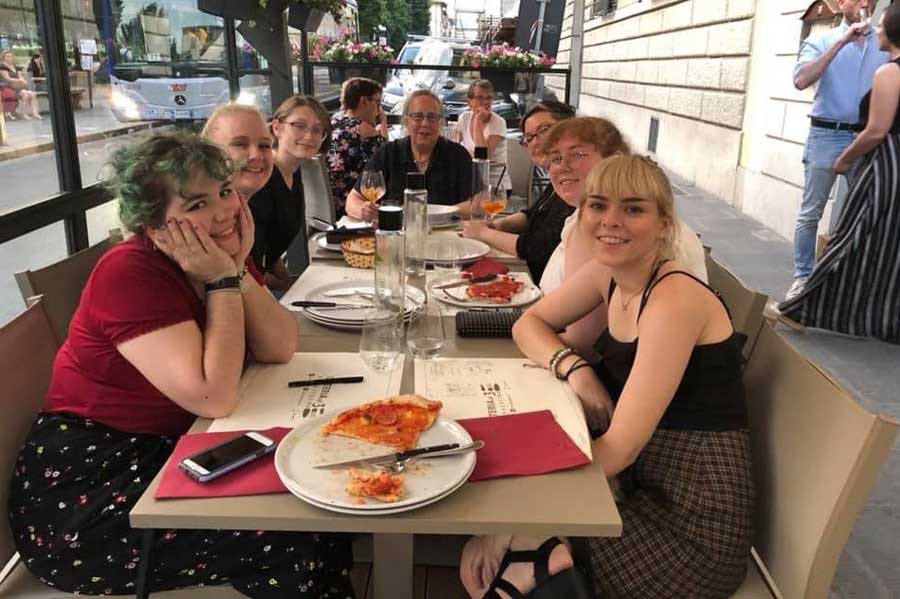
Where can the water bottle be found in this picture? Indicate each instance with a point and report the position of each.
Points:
(415, 219)
(390, 260)
(481, 182)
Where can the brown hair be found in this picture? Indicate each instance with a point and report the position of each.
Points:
(299, 101)
(558, 110)
(595, 131)
(419, 93)
(637, 176)
(355, 89)
(481, 83)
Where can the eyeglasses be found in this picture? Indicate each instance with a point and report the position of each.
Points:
(302, 128)
(568, 158)
(527, 139)
(431, 117)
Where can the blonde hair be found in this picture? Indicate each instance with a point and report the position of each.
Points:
(418, 94)
(637, 176)
(230, 109)
(595, 131)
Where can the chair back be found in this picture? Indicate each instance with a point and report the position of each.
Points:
(61, 283)
(746, 305)
(320, 211)
(816, 455)
(520, 167)
(27, 350)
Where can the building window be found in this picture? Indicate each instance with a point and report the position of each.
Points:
(601, 8)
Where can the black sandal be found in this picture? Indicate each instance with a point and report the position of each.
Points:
(570, 583)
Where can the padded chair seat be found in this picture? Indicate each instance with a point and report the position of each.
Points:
(754, 587)
(22, 585)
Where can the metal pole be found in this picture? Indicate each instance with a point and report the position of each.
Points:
(231, 54)
(542, 8)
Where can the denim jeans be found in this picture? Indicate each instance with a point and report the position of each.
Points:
(823, 146)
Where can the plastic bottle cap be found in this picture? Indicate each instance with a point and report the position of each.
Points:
(415, 180)
(390, 218)
(481, 153)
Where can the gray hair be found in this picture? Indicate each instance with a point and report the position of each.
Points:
(418, 93)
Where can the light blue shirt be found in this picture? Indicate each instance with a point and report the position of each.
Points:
(849, 76)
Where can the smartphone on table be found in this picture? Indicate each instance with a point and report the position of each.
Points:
(215, 461)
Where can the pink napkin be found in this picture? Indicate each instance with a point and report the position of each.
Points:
(486, 266)
(256, 478)
(522, 444)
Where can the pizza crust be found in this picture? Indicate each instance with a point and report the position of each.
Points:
(384, 487)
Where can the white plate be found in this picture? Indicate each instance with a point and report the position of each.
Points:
(415, 299)
(469, 249)
(438, 214)
(457, 295)
(332, 247)
(426, 481)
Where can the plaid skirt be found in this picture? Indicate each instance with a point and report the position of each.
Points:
(687, 520)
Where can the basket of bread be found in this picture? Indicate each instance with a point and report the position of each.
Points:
(359, 252)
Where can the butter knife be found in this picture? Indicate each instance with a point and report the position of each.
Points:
(390, 457)
(460, 283)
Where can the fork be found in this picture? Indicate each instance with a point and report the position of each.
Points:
(401, 465)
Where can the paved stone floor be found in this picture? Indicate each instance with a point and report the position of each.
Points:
(870, 565)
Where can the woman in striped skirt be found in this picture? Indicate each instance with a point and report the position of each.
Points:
(855, 287)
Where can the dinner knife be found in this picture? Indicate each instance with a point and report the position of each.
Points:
(478, 279)
(335, 305)
(390, 457)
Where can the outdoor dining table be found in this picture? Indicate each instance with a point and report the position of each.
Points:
(575, 502)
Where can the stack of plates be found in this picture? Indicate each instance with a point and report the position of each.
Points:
(467, 250)
(356, 293)
(441, 216)
(426, 481)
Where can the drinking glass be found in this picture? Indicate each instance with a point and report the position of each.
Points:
(445, 253)
(494, 202)
(381, 340)
(425, 332)
(371, 185)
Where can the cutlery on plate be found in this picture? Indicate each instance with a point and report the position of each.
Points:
(399, 456)
(460, 283)
(398, 467)
(328, 305)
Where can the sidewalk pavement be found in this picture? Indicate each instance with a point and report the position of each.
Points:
(867, 368)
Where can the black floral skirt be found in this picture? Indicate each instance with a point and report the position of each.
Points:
(74, 484)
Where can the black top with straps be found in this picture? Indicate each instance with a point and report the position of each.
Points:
(864, 108)
(710, 396)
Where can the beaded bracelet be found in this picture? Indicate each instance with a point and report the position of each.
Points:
(578, 364)
(560, 356)
(555, 356)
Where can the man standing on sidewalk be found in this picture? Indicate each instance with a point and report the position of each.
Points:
(842, 61)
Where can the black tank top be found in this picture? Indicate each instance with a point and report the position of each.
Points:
(864, 108)
(710, 396)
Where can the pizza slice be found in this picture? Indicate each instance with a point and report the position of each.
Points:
(377, 485)
(498, 291)
(396, 421)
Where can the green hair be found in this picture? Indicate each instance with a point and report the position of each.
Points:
(148, 173)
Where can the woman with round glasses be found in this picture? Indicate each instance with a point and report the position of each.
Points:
(481, 127)
(533, 233)
(446, 164)
(357, 130)
(299, 127)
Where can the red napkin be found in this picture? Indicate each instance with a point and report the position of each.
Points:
(522, 444)
(256, 478)
(486, 266)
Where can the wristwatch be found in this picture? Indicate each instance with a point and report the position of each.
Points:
(232, 282)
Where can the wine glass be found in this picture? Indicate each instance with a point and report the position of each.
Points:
(425, 332)
(381, 339)
(371, 185)
(494, 202)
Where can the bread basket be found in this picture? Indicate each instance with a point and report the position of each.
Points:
(359, 252)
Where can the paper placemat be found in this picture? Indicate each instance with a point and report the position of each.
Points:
(265, 400)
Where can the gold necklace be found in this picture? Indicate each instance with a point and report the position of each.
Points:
(625, 303)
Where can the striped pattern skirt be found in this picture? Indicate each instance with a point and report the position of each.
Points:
(855, 288)
(687, 520)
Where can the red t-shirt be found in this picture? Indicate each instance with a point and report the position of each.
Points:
(133, 290)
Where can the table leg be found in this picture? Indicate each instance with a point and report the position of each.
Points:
(143, 575)
(393, 566)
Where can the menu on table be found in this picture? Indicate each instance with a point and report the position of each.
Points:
(265, 400)
(479, 387)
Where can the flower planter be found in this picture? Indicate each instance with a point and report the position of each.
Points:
(304, 18)
(340, 74)
(504, 82)
(231, 9)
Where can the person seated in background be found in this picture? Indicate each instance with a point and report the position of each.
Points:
(533, 233)
(38, 72)
(482, 127)
(668, 404)
(357, 130)
(300, 127)
(241, 130)
(159, 339)
(18, 100)
(446, 164)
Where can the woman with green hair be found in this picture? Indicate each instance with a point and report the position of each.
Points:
(158, 339)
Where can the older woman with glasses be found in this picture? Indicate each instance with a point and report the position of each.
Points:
(299, 127)
(447, 165)
(533, 233)
(483, 128)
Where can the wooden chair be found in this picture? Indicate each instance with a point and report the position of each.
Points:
(320, 210)
(746, 305)
(61, 283)
(817, 454)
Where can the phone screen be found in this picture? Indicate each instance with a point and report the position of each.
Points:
(217, 457)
